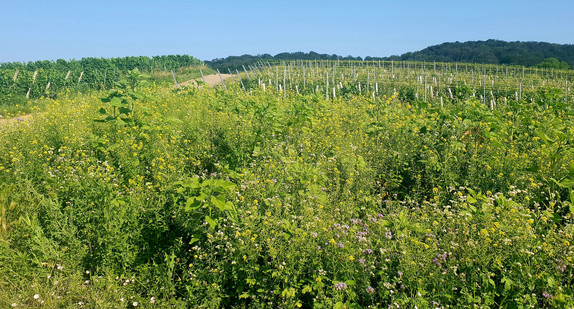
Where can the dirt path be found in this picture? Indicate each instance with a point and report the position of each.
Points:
(211, 80)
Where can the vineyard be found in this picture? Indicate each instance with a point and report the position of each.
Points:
(327, 184)
(47, 78)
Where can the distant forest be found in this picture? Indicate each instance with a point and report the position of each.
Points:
(542, 54)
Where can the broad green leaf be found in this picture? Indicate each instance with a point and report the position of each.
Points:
(117, 102)
(339, 305)
(229, 206)
(192, 204)
(507, 283)
(218, 203)
(227, 184)
(551, 282)
(212, 223)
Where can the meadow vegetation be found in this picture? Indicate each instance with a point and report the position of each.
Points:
(149, 196)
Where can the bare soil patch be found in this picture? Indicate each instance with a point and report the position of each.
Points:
(211, 80)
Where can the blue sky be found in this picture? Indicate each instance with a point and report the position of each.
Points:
(40, 30)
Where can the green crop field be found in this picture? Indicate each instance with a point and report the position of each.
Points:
(314, 184)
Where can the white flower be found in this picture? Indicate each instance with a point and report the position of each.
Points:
(36, 296)
(152, 300)
(14, 305)
(135, 304)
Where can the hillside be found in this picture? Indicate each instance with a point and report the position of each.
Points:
(493, 51)
(490, 51)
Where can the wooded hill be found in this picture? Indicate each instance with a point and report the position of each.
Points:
(491, 51)
(494, 52)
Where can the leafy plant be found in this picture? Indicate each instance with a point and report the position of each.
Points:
(207, 200)
(123, 98)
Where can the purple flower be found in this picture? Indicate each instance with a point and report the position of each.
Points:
(367, 251)
(340, 245)
(372, 220)
(389, 235)
(380, 216)
(548, 295)
(314, 234)
(340, 286)
(436, 262)
(362, 261)
(370, 290)
(442, 256)
(561, 268)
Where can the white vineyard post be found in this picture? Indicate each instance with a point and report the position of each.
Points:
(240, 79)
(203, 78)
(425, 88)
(368, 77)
(484, 90)
(175, 80)
(231, 74)
(304, 81)
(244, 70)
(327, 87)
(224, 86)
(566, 93)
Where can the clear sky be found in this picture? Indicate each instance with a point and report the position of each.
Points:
(48, 30)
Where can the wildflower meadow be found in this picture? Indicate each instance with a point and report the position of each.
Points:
(299, 185)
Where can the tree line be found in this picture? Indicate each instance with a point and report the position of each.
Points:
(529, 54)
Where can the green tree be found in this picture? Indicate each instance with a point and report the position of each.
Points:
(554, 63)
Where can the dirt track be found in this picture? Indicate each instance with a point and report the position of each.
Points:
(211, 80)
